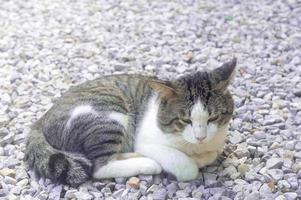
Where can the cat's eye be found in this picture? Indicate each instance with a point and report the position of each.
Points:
(186, 121)
(212, 119)
(178, 126)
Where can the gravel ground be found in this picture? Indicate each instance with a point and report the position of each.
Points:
(48, 45)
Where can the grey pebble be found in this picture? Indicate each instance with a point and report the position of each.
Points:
(291, 195)
(8, 139)
(55, 192)
(210, 179)
(236, 137)
(259, 135)
(197, 193)
(3, 132)
(297, 155)
(71, 193)
(99, 185)
(265, 191)
(143, 187)
(42, 196)
(297, 93)
(242, 150)
(134, 196)
(157, 179)
(16, 190)
(10, 180)
(181, 193)
(276, 174)
(284, 186)
(111, 186)
(298, 146)
(2, 152)
(183, 185)
(274, 163)
(224, 198)
(290, 145)
(293, 182)
(252, 149)
(120, 180)
(280, 197)
(23, 183)
(147, 178)
(217, 191)
(252, 176)
(229, 194)
(160, 194)
(152, 188)
(118, 193)
(120, 186)
(253, 196)
(21, 174)
(96, 195)
(83, 195)
(171, 189)
(270, 120)
(125, 192)
(106, 191)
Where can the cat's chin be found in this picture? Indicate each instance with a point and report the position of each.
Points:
(197, 142)
(192, 141)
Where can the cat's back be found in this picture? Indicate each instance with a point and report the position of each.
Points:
(108, 98)
(122, 85)
(131, 80)
(123, 93)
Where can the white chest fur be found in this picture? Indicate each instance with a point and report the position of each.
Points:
(148, 131)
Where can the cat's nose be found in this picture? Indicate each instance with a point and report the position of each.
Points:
(200, 138)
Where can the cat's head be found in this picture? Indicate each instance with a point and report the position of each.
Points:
(196, 106)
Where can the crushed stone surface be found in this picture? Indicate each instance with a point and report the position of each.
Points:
(47, 46)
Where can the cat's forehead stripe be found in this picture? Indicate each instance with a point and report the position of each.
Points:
(199, 111)
(198, 86)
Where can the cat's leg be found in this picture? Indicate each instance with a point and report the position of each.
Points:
(171, 160)
(123, 156)
(205, 158)
(125, 168)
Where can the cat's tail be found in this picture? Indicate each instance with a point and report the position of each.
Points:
(59, 166)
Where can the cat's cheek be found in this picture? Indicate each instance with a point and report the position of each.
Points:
(188, 135)
(212, 130)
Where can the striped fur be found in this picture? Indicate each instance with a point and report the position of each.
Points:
(95, 123)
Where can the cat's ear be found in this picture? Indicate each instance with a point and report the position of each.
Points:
(221, 76)
(165, 89)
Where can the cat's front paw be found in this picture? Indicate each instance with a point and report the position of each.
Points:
(149, 166)
(186, 171)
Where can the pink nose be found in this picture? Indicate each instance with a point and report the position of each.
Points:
(200, 138)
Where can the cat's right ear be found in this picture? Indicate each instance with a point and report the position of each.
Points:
(165, 89)
(222, 76)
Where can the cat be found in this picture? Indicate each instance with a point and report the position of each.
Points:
(126, 125)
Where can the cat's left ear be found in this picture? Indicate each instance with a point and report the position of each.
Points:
(165, 89)
(222, 76)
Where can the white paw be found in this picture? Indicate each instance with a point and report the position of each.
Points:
(186, 171)
(149, 166)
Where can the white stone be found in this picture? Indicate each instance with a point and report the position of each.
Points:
(274, 163)
(276, 174)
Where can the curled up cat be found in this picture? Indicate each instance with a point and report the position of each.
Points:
(125, 125)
